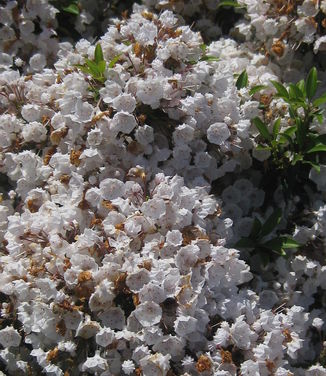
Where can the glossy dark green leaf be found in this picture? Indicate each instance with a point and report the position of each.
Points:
(245, 243)
(317, 148)
(255, 230)
(295, 92)
(313, 165)
(256, 89)
(300, 132)
(311, 83)
(288, 242)
(320, 100)
(297, 157)
(281, 90)
(242, 80)
(72, 9)
(290, 131)
(98, 55)
(101, 66)
(272, 221)
(262, 128)
(301, 86)
(276, 127)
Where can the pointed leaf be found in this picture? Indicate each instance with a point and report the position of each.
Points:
(288, 242)
(101, 66)
(230, 3)
(256, 89)
(276, 127)
(245, 243)
(242, 80)
(274, 244)
(317, 148)
(290, 131)
(114, 61)
(319, 101)
(93, 68)
(255, 230)
(209, 58)
(263, 130)
(262, 147)
(272, 221)
(72, 9)
(98, 55)
(281, 90)
(301, 132)
(313, 165)
(296, 158)
(295, 92)
(301, 86)
(311, 83)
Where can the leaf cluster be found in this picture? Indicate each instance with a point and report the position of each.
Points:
(298, 144)
(96, 67)
(257, 237)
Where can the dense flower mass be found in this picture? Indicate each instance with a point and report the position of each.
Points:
(150, 223)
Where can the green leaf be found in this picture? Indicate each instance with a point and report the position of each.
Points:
(94, 70)
(114, 61)
(242, 80)
(263, 130)
(295, 92)
(301, 132)
(256, 89)
(276, 127)
(296, 158)
(301, 86)
(288, 242)
(272, 221)
(101, 66)
(313, 165)
(245, 243)
(98, 55)
(72, 9)
(203, 47)
(262, 147)
(290, 131)
(284, 138)
(292, 112)
(281, 90)
(319, 101)
(317, 148)
(275, 245)
(230, 3)
(255, 230)
(311, 83)
(209, 58)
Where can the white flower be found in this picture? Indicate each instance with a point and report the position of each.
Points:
(34, 132)
(111, 189)
(128, 367)
(154, 208)
(37, 62)
(186, 258)
(95, 364)
(150, 92)
(123, 122)
(185, 325)
(174, 238)
(9, 337)
(135, 281)
(105, 337)
(124, 102)
(217, 133)
(241, 334)
(148, 313)
(31, 112)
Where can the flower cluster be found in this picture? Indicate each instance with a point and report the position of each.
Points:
(129, 172)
